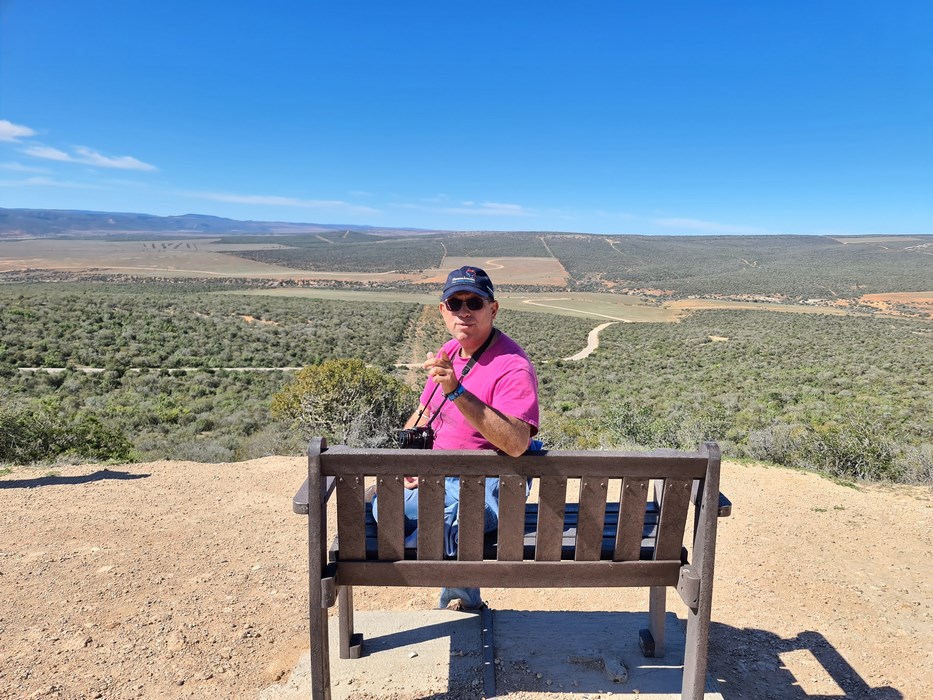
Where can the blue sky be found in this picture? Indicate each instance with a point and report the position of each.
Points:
(622, 116)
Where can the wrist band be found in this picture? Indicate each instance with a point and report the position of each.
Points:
(456, 393)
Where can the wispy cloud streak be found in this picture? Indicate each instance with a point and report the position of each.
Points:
(87, 156)
(474, 208)
(11, 132)
(279, 201)
(712, 227)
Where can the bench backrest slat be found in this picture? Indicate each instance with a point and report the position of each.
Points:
(552, 496)
(471, 516)
(673, 518)
(592, 518)
(512, 489)
(629, 532)
(430, 510)
(391, 530)
(350, 510)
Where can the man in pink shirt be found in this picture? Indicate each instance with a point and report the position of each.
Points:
(481, 393)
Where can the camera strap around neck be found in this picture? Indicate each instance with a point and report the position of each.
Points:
(474, 358)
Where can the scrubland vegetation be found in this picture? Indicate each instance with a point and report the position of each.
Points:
(793, 267)
(847, 395)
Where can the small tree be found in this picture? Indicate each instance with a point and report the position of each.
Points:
(346, 402)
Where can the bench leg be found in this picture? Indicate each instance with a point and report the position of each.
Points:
(350, 643)
(651, 640)
(696, 650)
(320, 655)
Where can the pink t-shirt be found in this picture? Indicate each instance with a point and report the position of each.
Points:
(503, 378)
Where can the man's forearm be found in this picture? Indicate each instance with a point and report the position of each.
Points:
(413, 418)
(507, 433)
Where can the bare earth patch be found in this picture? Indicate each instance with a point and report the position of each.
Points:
(183, 580)
(514, 270)
(894, 303)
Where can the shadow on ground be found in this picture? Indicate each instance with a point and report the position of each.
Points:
(579, 653)
(55, 480)
(749, 664)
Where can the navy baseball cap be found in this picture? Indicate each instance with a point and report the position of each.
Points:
(468, 279)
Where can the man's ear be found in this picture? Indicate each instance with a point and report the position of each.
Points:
(494, 306)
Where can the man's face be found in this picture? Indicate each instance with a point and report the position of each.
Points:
(470, 327)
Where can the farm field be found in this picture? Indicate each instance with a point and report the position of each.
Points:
(208, 258)
(613, 307)
(186, 258)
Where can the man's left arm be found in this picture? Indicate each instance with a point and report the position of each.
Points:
(507, 433)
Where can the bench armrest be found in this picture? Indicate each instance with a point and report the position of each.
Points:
(725, 506)
(300, 499)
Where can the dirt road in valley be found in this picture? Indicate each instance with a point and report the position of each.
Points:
(183, 580)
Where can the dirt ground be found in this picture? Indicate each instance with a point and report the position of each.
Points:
(182, 580)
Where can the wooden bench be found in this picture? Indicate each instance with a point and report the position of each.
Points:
(612, 535)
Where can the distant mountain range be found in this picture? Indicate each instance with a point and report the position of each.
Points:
(65, 223)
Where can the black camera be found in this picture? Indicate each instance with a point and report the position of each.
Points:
(421, 438)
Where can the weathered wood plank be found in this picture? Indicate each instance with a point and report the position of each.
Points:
(673, 518)
(591, 519)
(351, 525)
(472, 517)
(511, 536)
(630, 522)
(503, 574)
(567, 463)
(391, 530)
(431, 517)
(547, 519)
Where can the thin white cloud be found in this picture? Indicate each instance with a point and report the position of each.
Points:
(20, 168)
(475, 208)
(48, 153)
(87, 156)
(41, 181)
(712, 227)
(13, 132)
(278, 201)
(90, 157)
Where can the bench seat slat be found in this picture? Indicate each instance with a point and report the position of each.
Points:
(563, 548)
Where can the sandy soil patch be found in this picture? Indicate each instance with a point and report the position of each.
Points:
(186, 258)
(183, 580)
(512, 270)
(696, 304)
(877, 239)
(896, 302)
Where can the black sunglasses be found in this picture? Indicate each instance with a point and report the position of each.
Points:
(472, 303)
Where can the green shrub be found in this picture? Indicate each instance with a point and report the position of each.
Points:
(40, 433)
(346, 402)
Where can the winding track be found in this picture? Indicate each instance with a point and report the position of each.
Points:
(592, 342)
